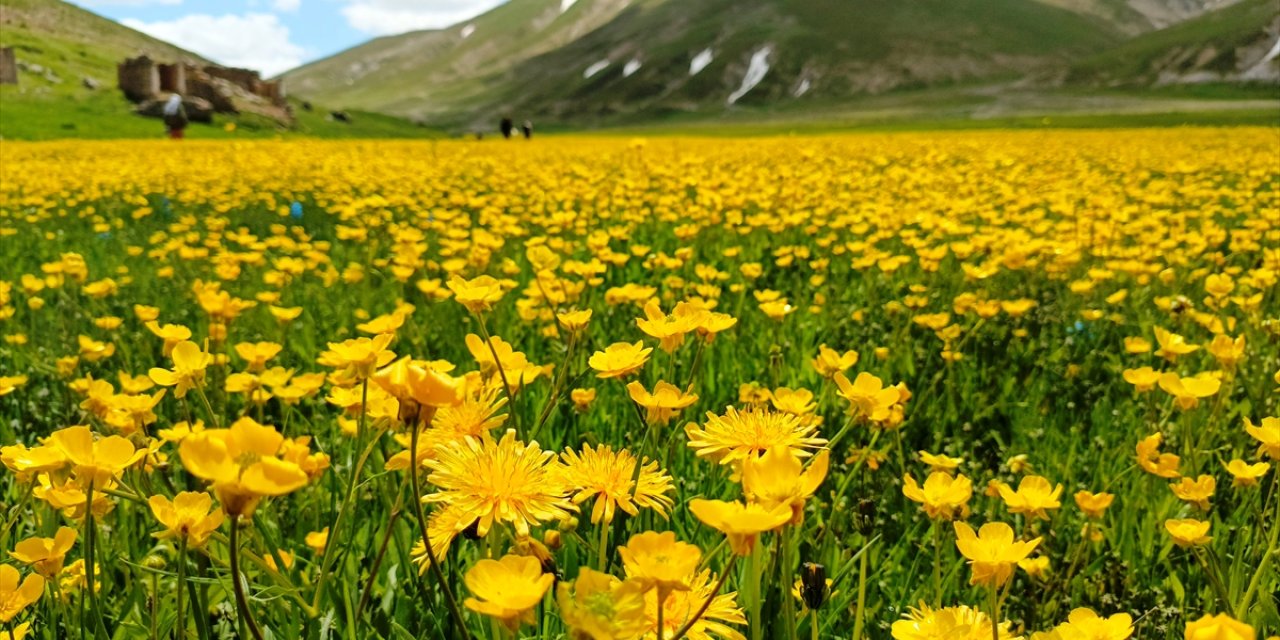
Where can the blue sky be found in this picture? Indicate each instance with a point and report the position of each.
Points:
(276, 35)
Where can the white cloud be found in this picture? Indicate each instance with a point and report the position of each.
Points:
(387, 17)
(253, 40)
(286, 5)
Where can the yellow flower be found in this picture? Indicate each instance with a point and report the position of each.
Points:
(1093, 504)
(358, 358)
(241, 464)
(93, 350)
(829, 362)
(388, 323)
(46, 555)
(256, 354)
(608, 477)
(943, 497)
(189, 363)
(507, 589)
(1172, 345)
(1085, 624)
(574, 321)
(1227, 351)
(1034, 497)
(1037, 567)
(868, 397)
(1219, 285)
(680, 606)
(417, 386)
(1188, 532)
(742, 524)
(284, 315)
(317, 540)
(659, 561)
(187, 516)
(582, 398)
(171, 333)
(668, 330)
(1188, 391)
(950, 623)
(478, 294)
(1136, 344)
(663, 403)
(9, 383)
(992, 552)
(1267, 433)
(1219, 627)
(485, 481)
(778, 478)
(731, 438)
(598, 606)
(1142, 378)
(97, 461)
(1196, 491)
(1245, 474)
(619, 359)
(1152, 461)
(940, 462)
(15, 597)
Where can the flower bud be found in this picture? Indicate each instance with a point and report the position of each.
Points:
(813, 585)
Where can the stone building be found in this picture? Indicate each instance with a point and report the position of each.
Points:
(222, 89)
(8, 66)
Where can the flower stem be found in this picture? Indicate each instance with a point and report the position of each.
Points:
(502, 374)
(237, 582)
(754, 602)
(937, 564)
(785, 569)
(662, 607)
(180, 622)
(1242, 609)
(995, 613)
(90, 566)
(603, 550)
(680, 633)
(452, 603)
(859, 615)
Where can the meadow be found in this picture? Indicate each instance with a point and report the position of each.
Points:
(920, 386)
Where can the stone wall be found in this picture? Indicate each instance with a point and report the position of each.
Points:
(8, 66)
(138, 78)
(173, 78)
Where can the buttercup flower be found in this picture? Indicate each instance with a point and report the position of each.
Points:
(1188, 532)
(992, 551)
(45, 555)
(187, 516)
(742, 524)
(507, 589)
(942, 497)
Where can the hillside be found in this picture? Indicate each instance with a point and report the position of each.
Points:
(64, 50)
(602, 58)
(1237, 43)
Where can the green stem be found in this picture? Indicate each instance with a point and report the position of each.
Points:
(937, 564)
(753, 586)
(662, 608)
(1216, 580)
(1242, 609)
(180, 622)
(785, 569)
(995, 613)
(680, 633)
(237, 583)
(426, 539)
(603, 549)
(90, 568)
(502, 373)
(860, 615)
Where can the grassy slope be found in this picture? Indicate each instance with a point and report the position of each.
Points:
(1224, 30)
(76, 44)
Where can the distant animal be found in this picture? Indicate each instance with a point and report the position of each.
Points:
(527, 129)
(306, 105)
(506, 126)
(340, 116)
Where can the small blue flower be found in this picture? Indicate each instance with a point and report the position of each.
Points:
(295, 210)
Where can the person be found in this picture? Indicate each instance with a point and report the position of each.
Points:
(506, 126)
(527, 129)
(175, 117)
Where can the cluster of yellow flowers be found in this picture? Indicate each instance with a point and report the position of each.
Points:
(614, 390)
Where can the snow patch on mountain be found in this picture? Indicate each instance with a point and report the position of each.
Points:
(756, 70)
(595, 68)
(701, 61)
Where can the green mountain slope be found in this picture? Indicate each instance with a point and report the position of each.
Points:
(527, 57)
(59, 46)
(1240, 42)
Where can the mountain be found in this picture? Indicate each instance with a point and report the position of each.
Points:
(600, 61)
(66, 44)
(1238, 43)
(66, 87)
